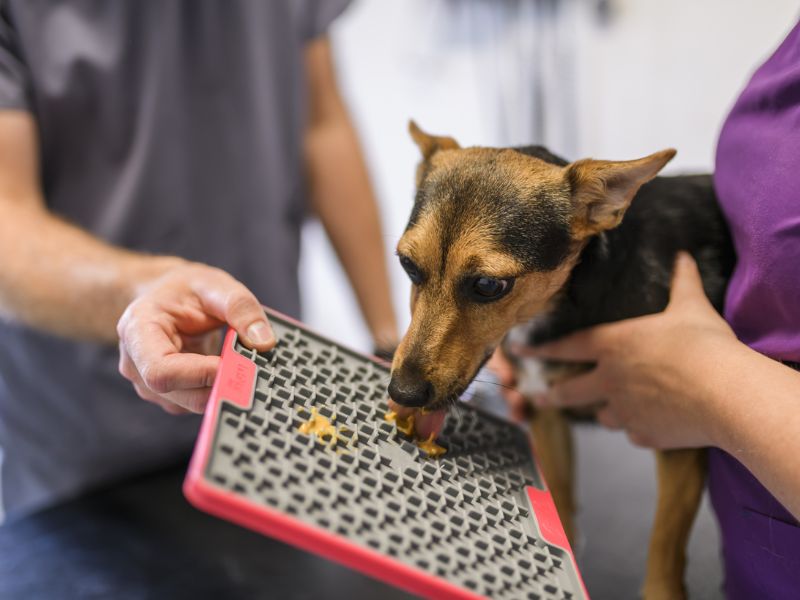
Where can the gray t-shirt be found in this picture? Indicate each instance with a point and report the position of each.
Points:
(173, 127)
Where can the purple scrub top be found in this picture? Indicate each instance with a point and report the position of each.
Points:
(758, 183)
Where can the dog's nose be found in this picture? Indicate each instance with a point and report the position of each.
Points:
(410, 391)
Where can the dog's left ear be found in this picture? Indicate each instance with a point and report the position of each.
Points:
(430, 144)
(602, 190)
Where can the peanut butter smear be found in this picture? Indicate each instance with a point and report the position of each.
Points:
(430, 447)
(405, 425)
(322, 427)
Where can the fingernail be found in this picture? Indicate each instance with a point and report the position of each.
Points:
(260, 333)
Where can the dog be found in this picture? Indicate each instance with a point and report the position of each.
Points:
(500, 237)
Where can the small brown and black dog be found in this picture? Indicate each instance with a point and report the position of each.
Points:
(500, 237)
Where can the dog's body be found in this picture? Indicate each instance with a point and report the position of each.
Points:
(500, 236)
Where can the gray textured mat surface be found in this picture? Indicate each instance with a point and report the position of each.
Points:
(464, 517)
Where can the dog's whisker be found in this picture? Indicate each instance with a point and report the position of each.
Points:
(498, 384)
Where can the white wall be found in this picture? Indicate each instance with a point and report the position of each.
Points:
(666, 73)
(659, 74)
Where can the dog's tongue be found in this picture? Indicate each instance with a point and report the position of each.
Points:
(425, 423)
(429, 423)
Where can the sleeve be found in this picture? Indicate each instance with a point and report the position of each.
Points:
(14, 79)
(319, 14)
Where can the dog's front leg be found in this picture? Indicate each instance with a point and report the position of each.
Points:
(552, 438)
(681, 477)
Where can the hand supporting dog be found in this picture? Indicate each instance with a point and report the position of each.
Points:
(644, 366)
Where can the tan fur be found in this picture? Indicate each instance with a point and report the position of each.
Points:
(681, 479)
(604, 189)
(429, 145)
(552, 437)
(526, 173)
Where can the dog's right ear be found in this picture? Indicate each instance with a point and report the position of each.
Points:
(602, 190)
(430, 144)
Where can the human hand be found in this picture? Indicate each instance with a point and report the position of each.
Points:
(652, 376)
(167, 332)
(502, 368)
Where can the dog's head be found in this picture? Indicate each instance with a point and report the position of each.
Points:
(493, 236)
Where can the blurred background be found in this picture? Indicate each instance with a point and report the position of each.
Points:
(612, 79)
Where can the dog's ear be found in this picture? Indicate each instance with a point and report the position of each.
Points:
(602, 190)
(430, 144)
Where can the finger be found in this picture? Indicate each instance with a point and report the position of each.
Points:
(608, 419)
(230, 301)
(583, 390)
(504, 372)
(179, 371)
(517, 405)
(207, 343)
(190, 374)
(174, 409)
(502, 368)
(154, 398)
(150, 396)
(582, 346)
(128, 370)
(176, 403)
(126, 367)
(640, 440)
(156, 359)
(167, 407)
(146, 394)
(194, 401)
(687, 283)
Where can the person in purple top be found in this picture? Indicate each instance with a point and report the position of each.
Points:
(688, 378)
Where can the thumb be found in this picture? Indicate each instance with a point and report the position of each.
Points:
(231, 302)
(687, 284)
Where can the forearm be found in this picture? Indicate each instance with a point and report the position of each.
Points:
(342, 198)
(756, 419)
(58, 278)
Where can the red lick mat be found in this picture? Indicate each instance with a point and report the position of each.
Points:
(476, 522)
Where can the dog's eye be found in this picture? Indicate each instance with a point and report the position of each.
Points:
(488, 289)
(411, 270)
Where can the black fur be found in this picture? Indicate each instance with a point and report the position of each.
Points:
(626, 272)
(542, 153)
(536, 232)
